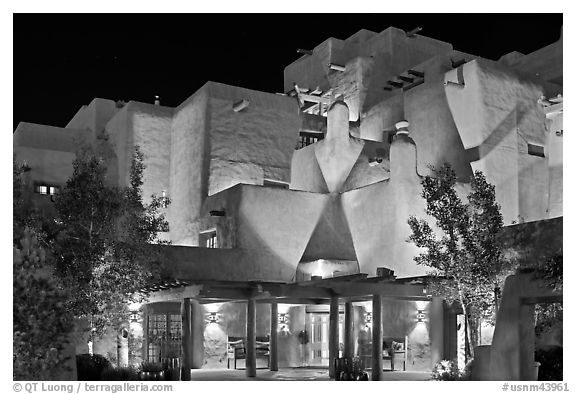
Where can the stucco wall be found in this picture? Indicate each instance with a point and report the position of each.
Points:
(497, 115)
(189, 168)
(431, 124)
(94, 116)
(253, 144)
(149, 127)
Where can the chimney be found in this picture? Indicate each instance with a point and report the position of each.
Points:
(384, 272)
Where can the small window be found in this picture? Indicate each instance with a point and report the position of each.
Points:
(308, 139)
(45, 189)
(535, 150)
(273, 183)
(209, 239)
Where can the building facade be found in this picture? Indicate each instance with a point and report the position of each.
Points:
(274, 194)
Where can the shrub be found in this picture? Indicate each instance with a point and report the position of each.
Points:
(446, 370)
(120, 373)
(550, 360)
(90, 366)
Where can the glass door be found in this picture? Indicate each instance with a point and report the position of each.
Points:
(318, 326)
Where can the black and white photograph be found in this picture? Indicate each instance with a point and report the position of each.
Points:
(287, 197)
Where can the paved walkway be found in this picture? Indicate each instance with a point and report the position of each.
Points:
(316, 374)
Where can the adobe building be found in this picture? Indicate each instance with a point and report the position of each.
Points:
(289, 210)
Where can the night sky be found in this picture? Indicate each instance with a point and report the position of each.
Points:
(62, 62)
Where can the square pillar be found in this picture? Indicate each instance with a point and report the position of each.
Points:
(348, 330)
(333, 335)
(436, 318)
(186, 363)
(273, 364)
(376, 337)
(251, 339)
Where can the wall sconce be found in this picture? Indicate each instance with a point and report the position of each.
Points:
(368, 319)
(134, 316)
(283, 321)
(336, 67)
(212, 317)
(420, 316)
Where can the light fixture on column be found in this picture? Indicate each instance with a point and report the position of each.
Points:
(368, 319)
(213, 317)
(421, 315)
(134, 316)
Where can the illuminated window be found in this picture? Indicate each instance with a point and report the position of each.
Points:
(209, 239)
(45, 189)
(212, 240)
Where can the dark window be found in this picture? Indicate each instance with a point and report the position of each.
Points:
(535, 150)
(164, 337)
(308, 139)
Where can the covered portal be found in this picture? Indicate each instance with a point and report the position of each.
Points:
(329, 318)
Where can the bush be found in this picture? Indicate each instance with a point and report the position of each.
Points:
(550, 360)
(447, 370)
(120, 373)
(90, 366)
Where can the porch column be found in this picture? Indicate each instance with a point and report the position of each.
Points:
(528, 337)
(436, 319)
(376, 337)
(196, 335)
(333, 335)
(273, 336)
(186, 363)
(348, 330)
(251, 339)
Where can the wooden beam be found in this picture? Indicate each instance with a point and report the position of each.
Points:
(351, 289)
(326, 282)
(175, 294)
(314, 99)
(415, 73)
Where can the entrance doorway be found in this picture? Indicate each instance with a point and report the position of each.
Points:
(318, 328)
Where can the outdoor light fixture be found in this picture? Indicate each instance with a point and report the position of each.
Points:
(420, 315)
(212, 317)
(304, 52)
(134, 316)
(455, 84)
(282, 320)
(240, 105)
(368, 318)
(336, 67)
(413, 32)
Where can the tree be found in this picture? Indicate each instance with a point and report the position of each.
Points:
(102, 241)
(42, 321)
(464, 250)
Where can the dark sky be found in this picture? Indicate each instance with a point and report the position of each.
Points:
(62, 61)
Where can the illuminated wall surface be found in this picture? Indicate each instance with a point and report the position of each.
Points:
(341, 204)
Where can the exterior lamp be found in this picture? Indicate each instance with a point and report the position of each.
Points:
(420, 316)
(212, 317)
(134, 316)
(283, 321)
(368, 319)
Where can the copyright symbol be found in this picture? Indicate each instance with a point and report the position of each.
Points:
(17, 387)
